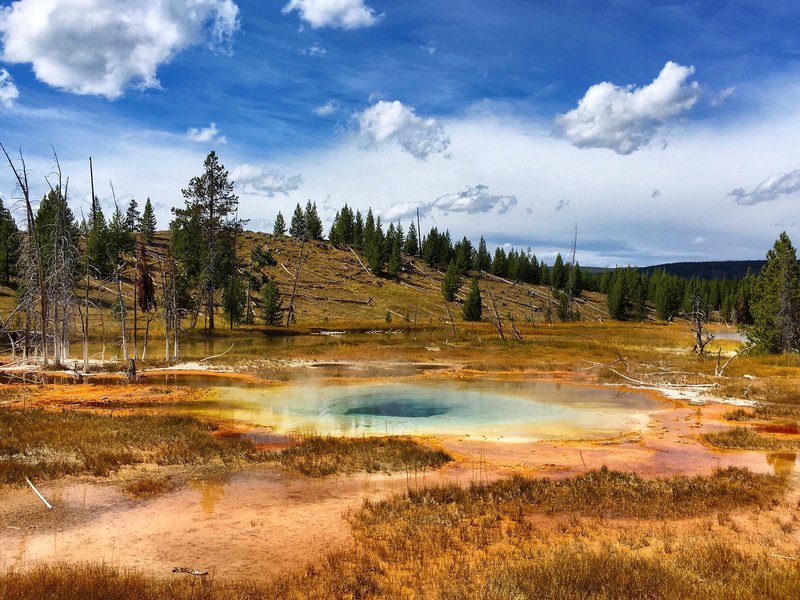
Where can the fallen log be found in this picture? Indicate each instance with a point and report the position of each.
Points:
(190, 571)
(38, 493)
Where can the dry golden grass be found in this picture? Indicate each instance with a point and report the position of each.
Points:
(51, 444)
(482, 542)
(746, 439)
(318, 456)
(148, 486)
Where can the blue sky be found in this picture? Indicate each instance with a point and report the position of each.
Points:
(662, 130)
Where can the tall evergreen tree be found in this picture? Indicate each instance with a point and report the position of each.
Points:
(271, 305)
(451, 282)
(312, 221)
(211, 207)
(411, 246)
(132, 217)
(97, 242)
(374, 246)
(280, 225)
(120, 239)
(234, 299)
(148, 224)
(472, 302)
(9, 244)
(483, 262)
(464, 256)
(297, 227)
(358, 231)
(775, 300)
(395, 258)
(500, 263)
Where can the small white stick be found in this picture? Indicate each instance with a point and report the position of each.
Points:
(42, 498)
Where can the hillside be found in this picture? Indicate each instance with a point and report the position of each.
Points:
(335, 291)
(335, 287)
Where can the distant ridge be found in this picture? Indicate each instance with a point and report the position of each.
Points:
(721, 269)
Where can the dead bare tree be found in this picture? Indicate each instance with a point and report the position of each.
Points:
(290, 313)
(33, 267)
(497, 321)
(702, 336)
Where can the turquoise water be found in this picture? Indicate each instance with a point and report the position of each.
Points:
(496, 410)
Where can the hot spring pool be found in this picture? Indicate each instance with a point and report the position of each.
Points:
(487, 409)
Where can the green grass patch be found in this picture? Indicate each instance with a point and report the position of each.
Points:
(746, 439)
(44, 444)
(318, 456)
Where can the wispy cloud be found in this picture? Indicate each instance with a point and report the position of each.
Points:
(206, 134)
(8, 89)
(315, 51)
(624, 119)
(474, 200)
(393, 121)
(471, 200)
(562, 204)
(260, 180)
(330, 107)
(101, 47)
(769, 189)
(344, 14)
(405, 210)
(719, 98)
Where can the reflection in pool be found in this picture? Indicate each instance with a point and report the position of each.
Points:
(492, 410)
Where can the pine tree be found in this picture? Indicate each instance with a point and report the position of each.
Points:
(9, 244)
(472, 302)
(451, 282)
(312, 221)
(234, 300)
(210, 215)
(617, 296)
(132, 217)
(483, 262)
(271, 305)
(148, 224)
(395, 259)
(464, 260)
(411, 246)
(775, 300)
(500, 263)
(120, 239)
(97, 242)
(280, 225)
(358, 231)
(374, 246)
(559, 273)
(297, 227)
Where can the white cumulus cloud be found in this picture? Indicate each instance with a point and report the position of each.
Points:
(473, 200)
(8, 89)
(102, 47)
(206, 134)
(260, 180)
(769, 189)
(345, 14)
(393, 121)
(626, 118)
